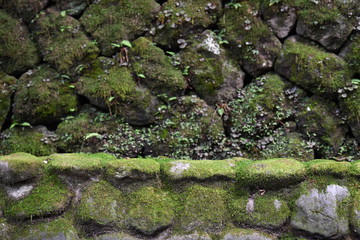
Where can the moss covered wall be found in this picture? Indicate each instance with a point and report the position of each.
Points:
(96, 196)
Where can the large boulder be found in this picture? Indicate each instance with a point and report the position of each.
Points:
(211, 71)
(62, 42)
(313, 69)
(43, 97)
(111, 22)
(17, 52)
(26, 10)
(113, 88)
(323, 212)
(250, 38)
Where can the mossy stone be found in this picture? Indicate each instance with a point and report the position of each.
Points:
(111, 87)
(270, 173)
(49, 197)
(132, 169)
(17, 52)
(150, 210)
(161, 77)
(328, 167)
(72, 7)
(24, 9)
(7, 85)
(18, 167)
(261, 211)
(250, 38)
(355, 168)
(102, 204)
(5, 229)
(175, 21)
(200, 170)
(112, 21)
(59, 228)
(315, 70)
(351, 53)
(355, 213)
(37, 141)
(79, 164)
(42, 97)
(317, 117)
(351, 108)
(114, 236)
(64, 45)
(204, 208)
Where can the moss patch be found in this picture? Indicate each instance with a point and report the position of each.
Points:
(6, 89)
(79, 163)
(200, 204)
(271, 173)
(102, 204)
(328, 167)
(200, 170)
(17, 52)
(48, 198)
(262, 211)
(19, 167)
(150, 210)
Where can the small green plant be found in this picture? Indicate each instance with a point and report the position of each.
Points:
(124, 43)
(186, 71)
(355, 81)
(140, 75)
(233, 4)
(79, 68)
(219, 35)
(23, 124)
(63, 13)
(272, 2)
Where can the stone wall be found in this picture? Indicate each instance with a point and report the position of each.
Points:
(96, 196)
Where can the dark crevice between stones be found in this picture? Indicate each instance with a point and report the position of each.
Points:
(138, 233)
(93, 229)
(9, 115)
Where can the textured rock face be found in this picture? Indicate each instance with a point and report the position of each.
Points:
(323, 212)
(281, 18)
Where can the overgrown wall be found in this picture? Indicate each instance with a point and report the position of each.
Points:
(96, 196)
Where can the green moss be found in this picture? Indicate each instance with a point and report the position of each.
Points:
(317, 71)
(102, 204)
(352, 57)
(17, 52)
(26, 9)
(239, 233)
(112, 21)
(355, 168)
(60, 228)
(267, 211)
(122, 167)
(20, 167)
(204, 209)
(32, 141)
(200, 170)
(160, 76)
(328, 167)
(42, 97)
(150, 209)
(351, 106)
(79, 163)
(355, 209)
(6, 89)
(49, 197)
(64, 45)
(271, 173)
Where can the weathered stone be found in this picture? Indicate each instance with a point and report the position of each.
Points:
(331, 33)
(19, 167)
(63, 43)
(355, 214)
(351, 108)
(329, 167)
(193, 236)
(150, 210)
(308, 66)
(5, 230)
(280, 17)
(18, 192)
(324, 213)
(351, 52)
(250, 38)
(246, 234)
(72, 7)
(214, 76)
(114, 236)
(42, 97)
(17, 52)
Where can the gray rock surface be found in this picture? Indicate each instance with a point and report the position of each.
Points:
(282, 20)
(323, 212)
